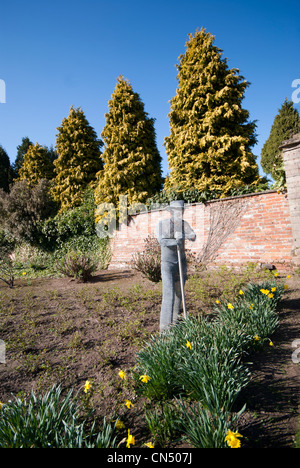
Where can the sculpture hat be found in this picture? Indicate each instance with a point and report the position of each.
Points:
(176, 205)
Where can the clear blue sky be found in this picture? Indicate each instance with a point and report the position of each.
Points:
(60, 53)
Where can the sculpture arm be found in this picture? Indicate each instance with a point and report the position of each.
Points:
(164, 241)
(189, 234)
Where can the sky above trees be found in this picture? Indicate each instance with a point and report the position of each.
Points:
(62, 53)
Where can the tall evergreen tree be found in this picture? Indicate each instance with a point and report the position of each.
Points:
(37, 165)
(21, 151)
(132, 162)
(52, 154)
(211, 137)
(5, 170)
(79, 159)
(286, 123)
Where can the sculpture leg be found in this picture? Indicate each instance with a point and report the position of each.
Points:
(168, 295)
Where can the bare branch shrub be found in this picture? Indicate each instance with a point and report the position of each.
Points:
(148, 262)
(224, 220)
(77, 265)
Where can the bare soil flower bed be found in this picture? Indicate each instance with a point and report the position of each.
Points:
(62, 331)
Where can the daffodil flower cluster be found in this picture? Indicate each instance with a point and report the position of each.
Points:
(128, 403)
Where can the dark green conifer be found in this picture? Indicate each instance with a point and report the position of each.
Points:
(286, 123)
(5, 170)
(21, 151)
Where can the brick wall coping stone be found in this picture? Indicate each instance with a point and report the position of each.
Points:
(215, 200)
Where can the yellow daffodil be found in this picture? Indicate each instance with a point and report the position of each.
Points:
(230, 306)
(256, 338)
(234, 443)
(273, 289)
(149, 444)
(120, 424)
(241, 292)
(217, 302)
(188, 345)
(24, 273)
(271, 343)
(250, 306)
(232, 439)
(286, 286)
(122, 375)
(276, 274)
(145, 378)
(130, 439)
(87, 386)
(288, 276)
(270, 295)
(128, 404)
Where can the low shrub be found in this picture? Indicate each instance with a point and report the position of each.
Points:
(7, 271)
(77, 265)
(148, 262)
(7, 242)
(76, 223)
(24, 208)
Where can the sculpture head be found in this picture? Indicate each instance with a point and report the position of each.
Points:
(176, 207)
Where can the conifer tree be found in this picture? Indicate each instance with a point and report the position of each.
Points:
(286, 123)
(21, 151)
(5, 170)
(78, 161)
(37, 165)
(132, 162)
(211, 137)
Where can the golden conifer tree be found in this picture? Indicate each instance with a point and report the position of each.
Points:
(209, 147)
(37, 164)
(79, 159)
(132, 162)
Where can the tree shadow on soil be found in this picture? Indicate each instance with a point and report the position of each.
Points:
(108, 276)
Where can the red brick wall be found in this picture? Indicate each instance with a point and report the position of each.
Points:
(263, 233)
